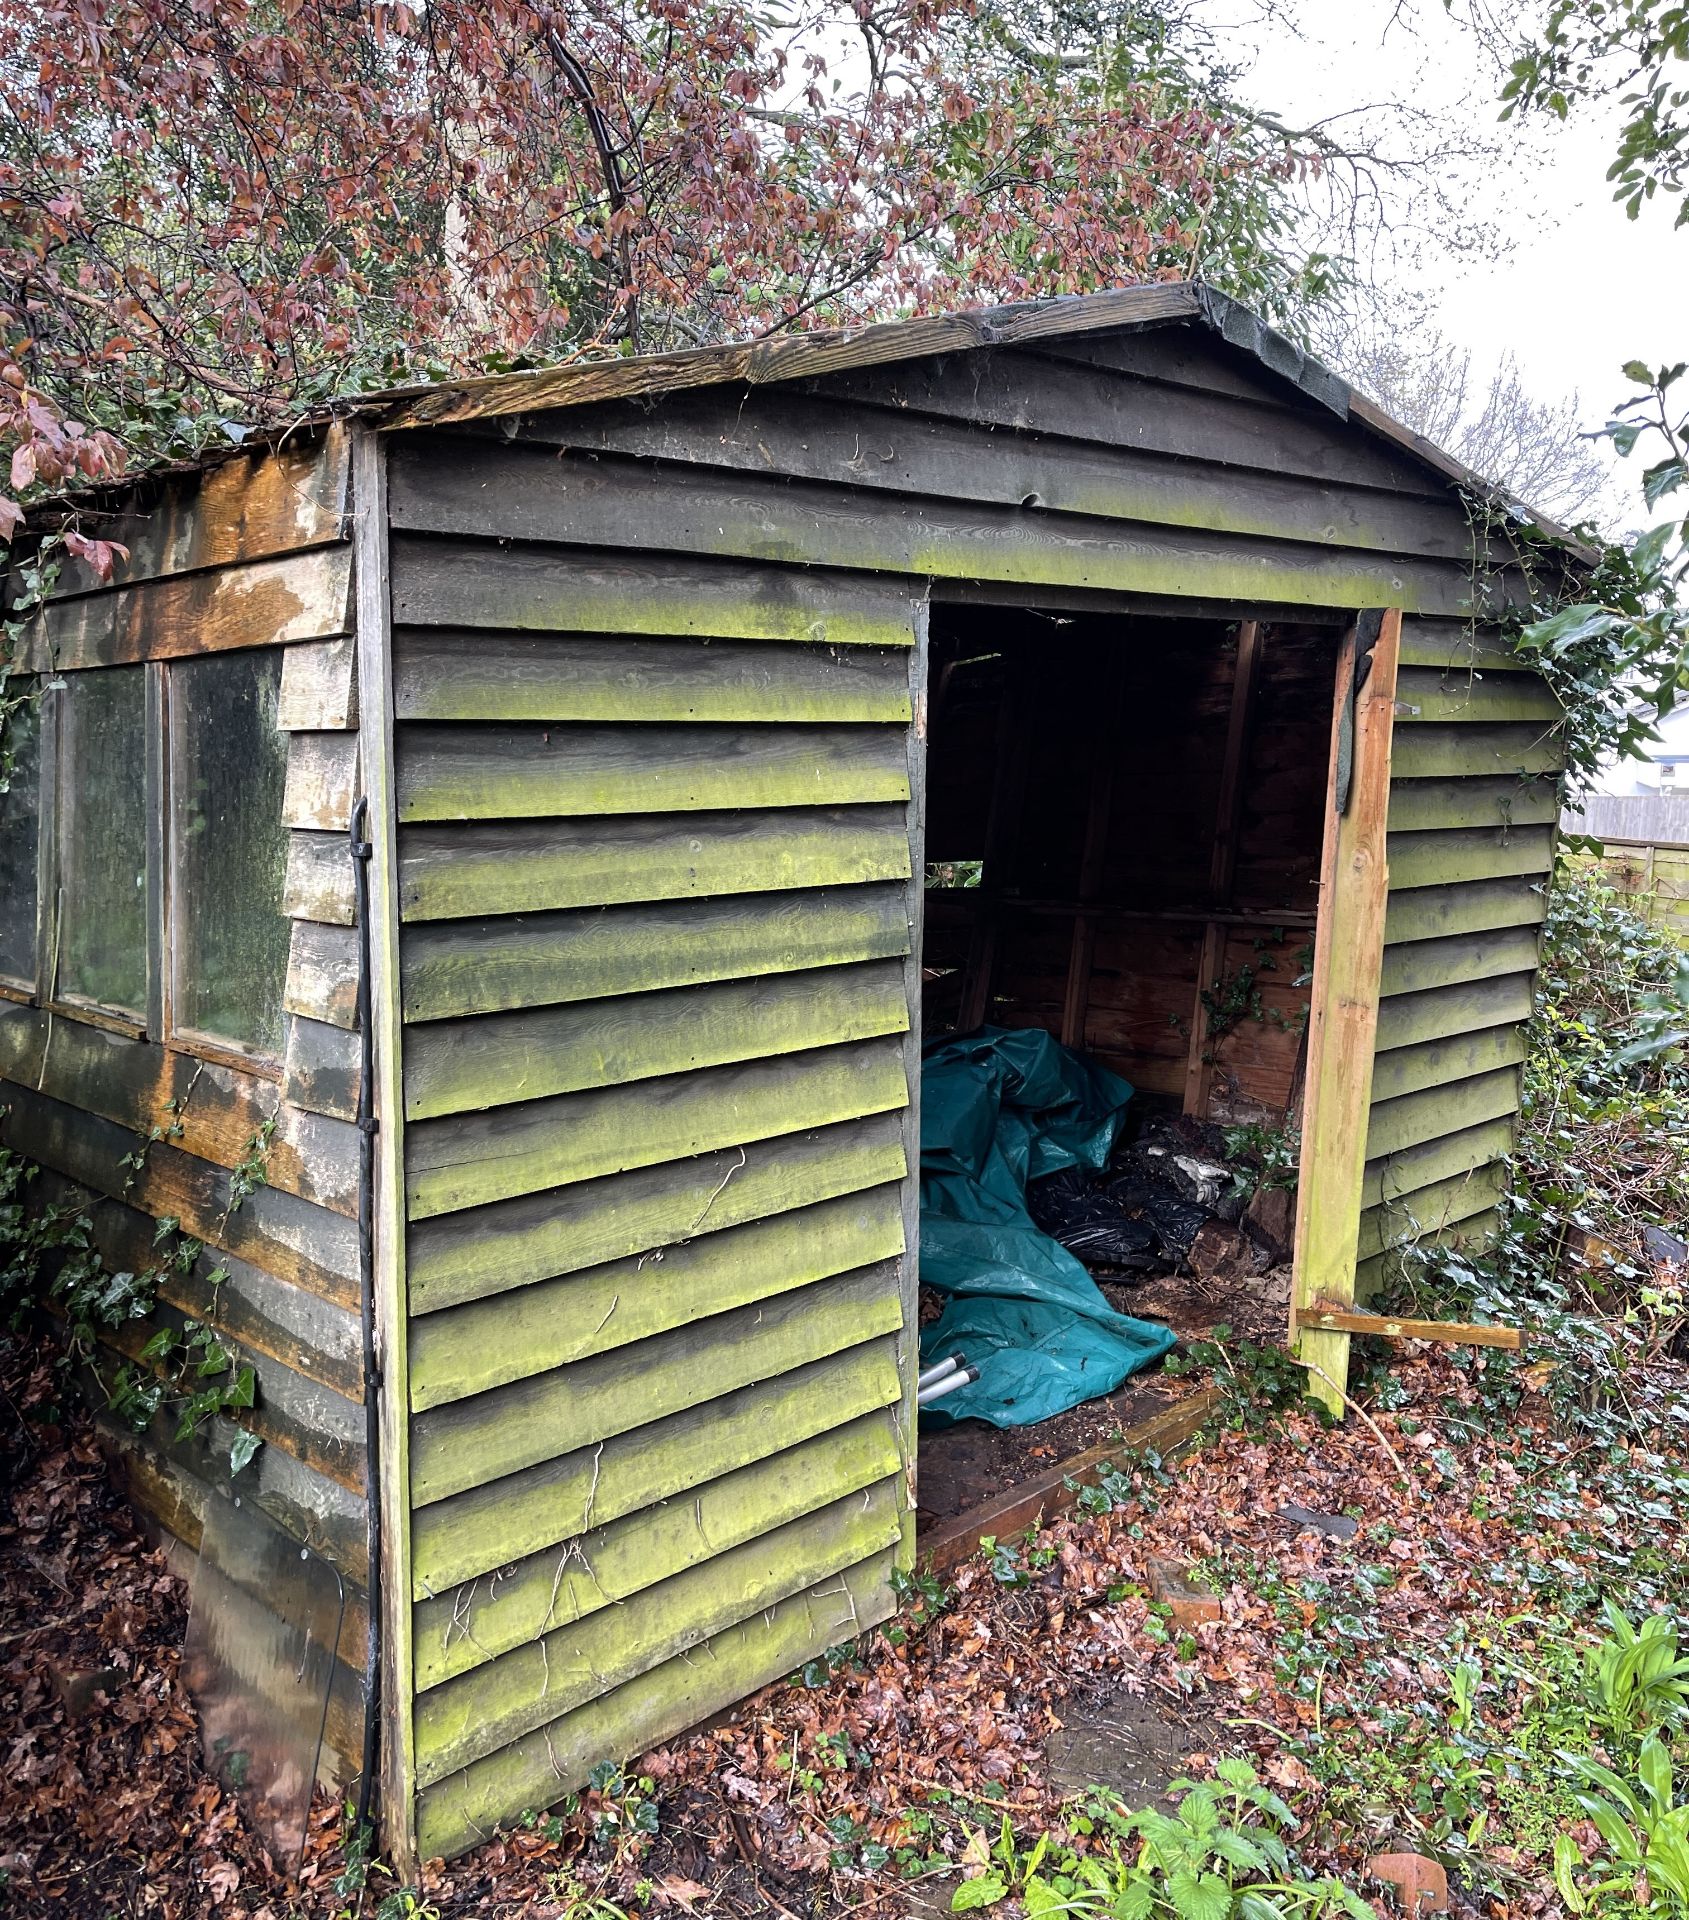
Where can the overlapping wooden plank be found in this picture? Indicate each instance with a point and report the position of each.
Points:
(1478, 906)
(468, 1160)
(319, 687)
(1458, 646)
(247, 507)
(1418, 806)
(1417, 965)
(518, 866)
(322, 781)
(318, 885)
(1032, 394)
(473, 1442)
(1431, 1063)
(208, 1110)
(532, 495)
(1415, 1118)
(478, 1713)
(321, 1067)
(526, 1513)
(452, 968)
(301, 596)
(810, 437)
(1461, 749)
(501, 773)
(1472, 1235)
(1447, 856)
(553, 1323)
(322, 973)
(459, 675)
(458, 1812)
(1393, 1175)
(253, 1309)
(1429, 1209)
(457, 1066)
(1426, 695)
(467, 1256)
(1439, 1012)
(464, 583)
(473, 1624)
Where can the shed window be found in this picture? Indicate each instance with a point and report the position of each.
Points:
(228, 767)
(20, 815)
(101, 936)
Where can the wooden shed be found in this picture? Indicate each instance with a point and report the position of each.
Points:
(726, 720)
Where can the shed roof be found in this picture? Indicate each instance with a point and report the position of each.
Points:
(799, 356)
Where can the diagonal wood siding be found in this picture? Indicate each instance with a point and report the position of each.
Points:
(655, 886)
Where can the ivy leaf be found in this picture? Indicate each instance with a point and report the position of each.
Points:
(245, 1445)
(240, 1392)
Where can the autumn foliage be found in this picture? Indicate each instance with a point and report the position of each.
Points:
(215, 214)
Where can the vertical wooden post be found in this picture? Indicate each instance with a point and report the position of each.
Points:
(1343, 1014)
(1222, 865)
(375, 751)
(909, 1275)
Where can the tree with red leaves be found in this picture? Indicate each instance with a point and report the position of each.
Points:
(217, 213)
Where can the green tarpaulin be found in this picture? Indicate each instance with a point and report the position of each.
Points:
(998, 1109)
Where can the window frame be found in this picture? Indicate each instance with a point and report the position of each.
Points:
(215, 1049)
(14, 987)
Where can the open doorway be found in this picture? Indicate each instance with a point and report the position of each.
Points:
(1124, 823)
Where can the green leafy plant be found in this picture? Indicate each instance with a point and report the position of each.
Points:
(1645, 1828)
(1637, 1674)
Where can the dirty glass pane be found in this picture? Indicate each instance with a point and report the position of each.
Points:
(20, 814)
(102, 837)
(264, 1620)
(228, 766)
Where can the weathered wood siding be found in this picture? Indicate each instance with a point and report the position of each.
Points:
(654, 874)
(252, 554)
(1474, 798)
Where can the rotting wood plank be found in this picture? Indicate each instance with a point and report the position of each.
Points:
(450, 969)
(301, 596)
(1425, 695)
(1166, 1433)
(1184, 354)
(1444, 1203)
(491, 772)
(463, 1066)
(509, 493)
(1418, 806)
(788, 356)
(813, 437)
(454, 872)
(1446, 1332)
(1430, 1063)
(273, 1229)
(465, 583)
(538, 1509)
(480, 1712)
(457, 1448)
(318, 882)
(467, 1256)
(322, 781)
(1478, 906)
(1457, 646)
(462, 1809)
(247, 507)
(319, 687)
(1029, 394)
(1446, 857)
(1416, 966)
(1343, 1013)
(1412, 1119)
(467, 1160)
(473, 1624)
(1393, 1176)
(322, 973)
(321, 1067)
(553, 1323)
(442, 674)
(211, 1111)
(1439, 1013)
(1461, 748)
